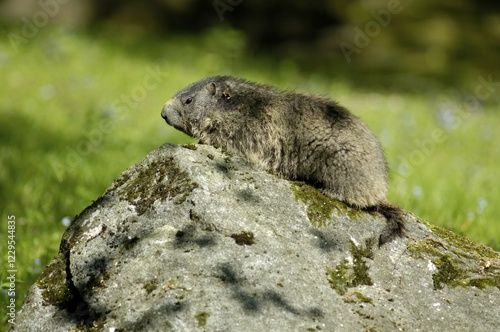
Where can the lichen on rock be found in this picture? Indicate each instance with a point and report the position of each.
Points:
(158, 180)
(319, 206)
(352, 272)
(456, 267)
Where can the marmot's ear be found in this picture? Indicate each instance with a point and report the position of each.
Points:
(212, 88)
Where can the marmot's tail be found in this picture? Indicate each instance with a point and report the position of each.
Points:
(395, 221)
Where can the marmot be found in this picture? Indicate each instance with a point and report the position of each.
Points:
(299, 136)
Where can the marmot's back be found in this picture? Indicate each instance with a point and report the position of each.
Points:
(336, 151)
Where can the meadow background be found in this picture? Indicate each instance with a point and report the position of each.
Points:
(81, 95)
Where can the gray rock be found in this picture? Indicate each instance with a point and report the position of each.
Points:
(195, 239)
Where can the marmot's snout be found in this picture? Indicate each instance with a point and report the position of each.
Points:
(171, 114)
(164, 110)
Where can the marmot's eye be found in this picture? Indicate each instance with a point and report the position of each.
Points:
(188, 100)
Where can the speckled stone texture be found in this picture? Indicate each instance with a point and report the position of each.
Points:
(195, 239)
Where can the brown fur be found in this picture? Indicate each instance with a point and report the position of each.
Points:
(299, 136)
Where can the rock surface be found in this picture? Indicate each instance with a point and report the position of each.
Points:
(195, 239)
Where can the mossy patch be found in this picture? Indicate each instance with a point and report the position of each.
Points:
(160, 180)
(55, 284)
(58, 290)
(455, 267)
(244, 238)
(320, 207)
(347, 275)
(151, 285)
(202, 318)
(463, 243)
(357, 297)
(122, 179)
(448, 272)
(340, 277)
(190, 146)
(359, 255)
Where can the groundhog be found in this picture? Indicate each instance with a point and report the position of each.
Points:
(299, 136)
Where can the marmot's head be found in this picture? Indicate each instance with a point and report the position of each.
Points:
(188, 107)
(215, 109)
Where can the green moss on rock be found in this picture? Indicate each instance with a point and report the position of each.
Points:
(122, 179)
(190, 146)
(55, 284)
(428, 246)
(202, 318)
(58, 290)
(340, 277)
(319, 206)
(157, 181)
(359, 254)
(346, 275)
(463, 243)
(357, 297)
(244, 238)
(448, 272)
(457, 267)
(151, 285)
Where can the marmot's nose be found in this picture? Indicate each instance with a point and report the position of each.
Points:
(164, 109)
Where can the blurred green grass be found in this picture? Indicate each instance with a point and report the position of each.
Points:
(76, 112)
